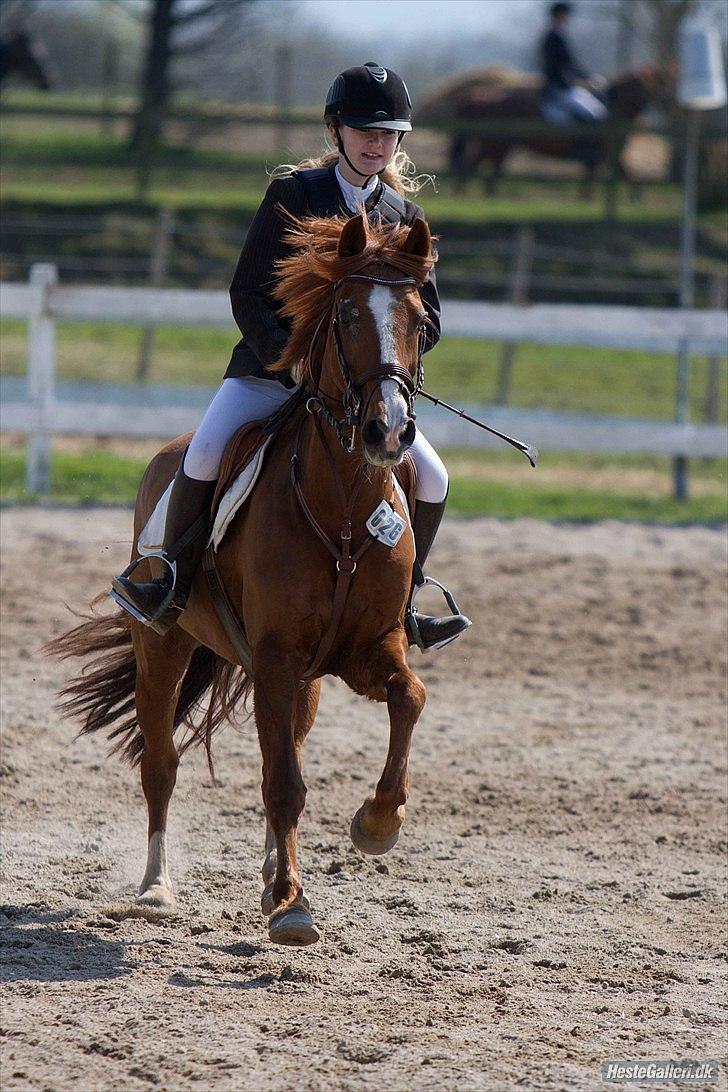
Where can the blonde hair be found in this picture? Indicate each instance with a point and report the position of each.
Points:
(400, 173)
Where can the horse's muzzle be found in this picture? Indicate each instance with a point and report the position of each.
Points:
(387, 447)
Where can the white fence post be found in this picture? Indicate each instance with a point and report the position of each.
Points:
(41, 377)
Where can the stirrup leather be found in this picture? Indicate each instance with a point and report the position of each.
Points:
(127, 605)
(411, 616)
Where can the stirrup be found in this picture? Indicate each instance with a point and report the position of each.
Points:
(131, 608)
(411, 615)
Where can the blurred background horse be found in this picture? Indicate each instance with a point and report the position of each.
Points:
(24, 57)
(503, 96)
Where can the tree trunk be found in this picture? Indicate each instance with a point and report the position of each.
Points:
(154, 91)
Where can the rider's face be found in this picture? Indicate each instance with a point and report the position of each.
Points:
(370, 150)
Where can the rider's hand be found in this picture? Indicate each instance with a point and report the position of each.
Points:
(597, 83)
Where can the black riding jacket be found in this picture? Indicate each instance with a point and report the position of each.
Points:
(265, 330)
(558, 64)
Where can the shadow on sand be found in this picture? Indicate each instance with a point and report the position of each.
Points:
(36, 948)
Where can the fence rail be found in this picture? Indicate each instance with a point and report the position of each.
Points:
(471, 266)
(43, 407)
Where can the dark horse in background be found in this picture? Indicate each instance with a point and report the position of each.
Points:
(21, 56)
(626, 98)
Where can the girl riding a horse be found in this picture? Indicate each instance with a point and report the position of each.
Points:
(368, 112)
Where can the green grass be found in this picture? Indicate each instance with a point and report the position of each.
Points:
(469, 497)
(70, 148)
(99, 477)
(88, 166)
(89, 478)
(192, 189)
(579, 380)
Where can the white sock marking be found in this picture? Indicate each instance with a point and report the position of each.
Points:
(156, 872)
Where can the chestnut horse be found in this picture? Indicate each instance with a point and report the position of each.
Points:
(626, 99)
(351, 292)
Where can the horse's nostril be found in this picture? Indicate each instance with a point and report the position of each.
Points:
(372, 433)
(407, 436)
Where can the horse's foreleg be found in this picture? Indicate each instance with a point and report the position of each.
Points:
(375, 827)
(161, 666)
(304, 714)
(284, 796)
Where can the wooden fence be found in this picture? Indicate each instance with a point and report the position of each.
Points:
(42, 408)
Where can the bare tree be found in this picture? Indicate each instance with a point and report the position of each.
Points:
(176, 29)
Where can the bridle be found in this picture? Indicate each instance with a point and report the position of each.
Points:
(354, 403)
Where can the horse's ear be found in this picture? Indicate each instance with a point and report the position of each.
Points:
(419, 240)
(353, 238)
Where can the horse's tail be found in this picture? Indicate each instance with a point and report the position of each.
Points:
(103, 693)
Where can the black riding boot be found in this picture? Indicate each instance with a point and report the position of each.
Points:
(425, 630)
(159, 603)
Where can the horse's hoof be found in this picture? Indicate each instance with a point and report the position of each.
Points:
(156, 896)
(293, 926)
(365, 843)
(267, 905)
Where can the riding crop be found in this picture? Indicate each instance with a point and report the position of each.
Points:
(528, 450)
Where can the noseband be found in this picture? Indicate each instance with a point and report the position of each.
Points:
(354, 403)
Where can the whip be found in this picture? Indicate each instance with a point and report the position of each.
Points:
(528, 450)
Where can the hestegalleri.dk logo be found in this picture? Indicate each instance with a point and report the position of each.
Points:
(686, 1071)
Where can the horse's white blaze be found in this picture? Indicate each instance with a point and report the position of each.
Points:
(156, 873)
(381, 304)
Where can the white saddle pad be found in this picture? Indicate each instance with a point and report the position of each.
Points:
(152, 537)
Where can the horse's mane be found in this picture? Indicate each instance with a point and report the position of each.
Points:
(307, 279)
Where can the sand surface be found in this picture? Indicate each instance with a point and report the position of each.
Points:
(557, 897)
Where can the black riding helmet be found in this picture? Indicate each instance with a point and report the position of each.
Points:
(369, 97)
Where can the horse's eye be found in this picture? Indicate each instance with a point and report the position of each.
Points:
(349, 315)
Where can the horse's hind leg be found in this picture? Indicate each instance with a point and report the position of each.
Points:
(385, 676)
(161, 666)
(306, 705)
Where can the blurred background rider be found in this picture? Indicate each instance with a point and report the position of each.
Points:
(564, 99)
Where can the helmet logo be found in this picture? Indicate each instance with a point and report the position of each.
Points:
(376, 72)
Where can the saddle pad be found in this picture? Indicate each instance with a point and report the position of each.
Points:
(236, 493)
(152, 537)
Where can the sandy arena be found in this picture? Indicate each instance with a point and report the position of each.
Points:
(557, 897)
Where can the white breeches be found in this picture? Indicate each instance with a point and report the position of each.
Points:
(562, 105)
(240, 400)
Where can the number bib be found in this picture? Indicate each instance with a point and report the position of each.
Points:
(385, 525)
